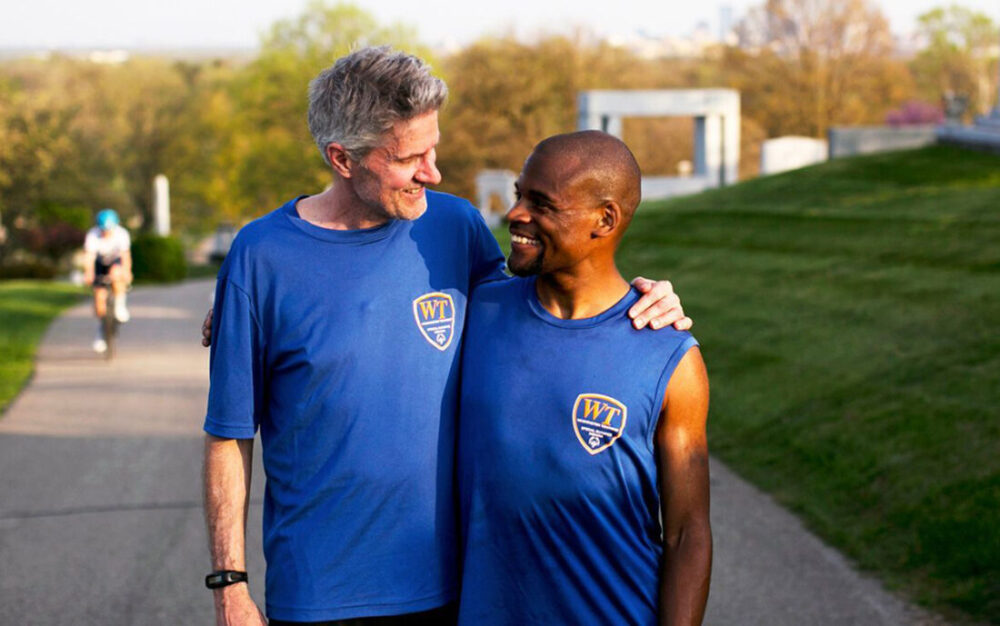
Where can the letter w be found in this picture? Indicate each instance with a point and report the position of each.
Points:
(428, 309)
(594, 408)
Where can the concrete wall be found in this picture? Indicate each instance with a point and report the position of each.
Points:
(984, 135)
(789, 153)
(849, 141)
(654, 187)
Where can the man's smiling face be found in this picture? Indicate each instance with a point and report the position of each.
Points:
(551, 221)
(391, 179)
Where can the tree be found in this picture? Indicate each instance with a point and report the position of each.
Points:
(268, 155)
(806, 64)
(41, 174)
(507, 95)
(959, 56)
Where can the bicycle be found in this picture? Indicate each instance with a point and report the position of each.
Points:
(109, 322)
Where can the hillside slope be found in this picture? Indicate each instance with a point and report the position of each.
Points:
(848, 315)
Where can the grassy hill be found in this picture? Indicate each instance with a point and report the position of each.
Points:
(849, 317)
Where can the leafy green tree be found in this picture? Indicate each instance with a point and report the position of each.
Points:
(40, 171)
(959, 57)
(268, 155)
(804, 65)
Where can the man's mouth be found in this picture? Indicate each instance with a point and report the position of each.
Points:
(415, 191)
(524, 240)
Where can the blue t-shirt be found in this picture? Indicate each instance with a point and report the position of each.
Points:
(342, 348)
(557, 473)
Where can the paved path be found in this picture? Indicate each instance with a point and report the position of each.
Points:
(100, 513)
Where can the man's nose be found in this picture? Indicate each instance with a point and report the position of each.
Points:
(517, 213)
(428, 173)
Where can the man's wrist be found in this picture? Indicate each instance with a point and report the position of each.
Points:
(220, 579)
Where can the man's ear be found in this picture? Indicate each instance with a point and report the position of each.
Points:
(609, 220)
(341, 163)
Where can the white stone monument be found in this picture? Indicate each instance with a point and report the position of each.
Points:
(491, 184)
(716, 114)
(790, 153)
(161, 205)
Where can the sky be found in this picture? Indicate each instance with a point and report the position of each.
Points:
(238, 23)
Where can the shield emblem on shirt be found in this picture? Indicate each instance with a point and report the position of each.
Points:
(598, 421)
(435, 315)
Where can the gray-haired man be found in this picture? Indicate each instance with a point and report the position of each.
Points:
(337, 329)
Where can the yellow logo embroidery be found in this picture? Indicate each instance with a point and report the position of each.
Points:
(598, 421)
(435, 315)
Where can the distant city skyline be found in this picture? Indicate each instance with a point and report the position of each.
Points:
(179, 24)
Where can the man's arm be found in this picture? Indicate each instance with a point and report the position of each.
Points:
(89, 258)
(227, 497)
(658, 307)
(127, 264)
(682, 454)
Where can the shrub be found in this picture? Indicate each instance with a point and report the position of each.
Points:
(158, 259)
(915, 112)
(52, 240)
(38, 269)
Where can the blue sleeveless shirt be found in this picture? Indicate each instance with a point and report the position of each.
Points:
(556, 465)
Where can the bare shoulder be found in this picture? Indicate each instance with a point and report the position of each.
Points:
(685, 403)
(690, 377)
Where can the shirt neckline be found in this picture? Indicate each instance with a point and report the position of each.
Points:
(332, 235)
(616, 310)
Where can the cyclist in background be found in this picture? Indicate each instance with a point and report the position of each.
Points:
(108, 263)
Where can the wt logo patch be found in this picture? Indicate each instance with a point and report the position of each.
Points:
(598, 421)
(435, 315)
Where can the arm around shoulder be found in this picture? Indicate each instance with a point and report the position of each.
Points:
(682, 454)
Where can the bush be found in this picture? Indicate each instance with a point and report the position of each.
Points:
(158, 259)
(53, 241)
(41, 270)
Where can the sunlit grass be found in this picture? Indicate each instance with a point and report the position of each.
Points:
(26, 309)
(848, 315)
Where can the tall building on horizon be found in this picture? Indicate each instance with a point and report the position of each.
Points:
(725, 21)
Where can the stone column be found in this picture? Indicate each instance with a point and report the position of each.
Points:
(586, 118)
(161, 205)
(612, 124)
(731, 146)
(708, 149)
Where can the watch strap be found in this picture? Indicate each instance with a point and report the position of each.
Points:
(224, 578)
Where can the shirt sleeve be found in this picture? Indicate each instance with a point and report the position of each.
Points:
(124, 240)
(487, 259)
(90, 242)
(235, 369)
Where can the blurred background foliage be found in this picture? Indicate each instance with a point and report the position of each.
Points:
(231, 134)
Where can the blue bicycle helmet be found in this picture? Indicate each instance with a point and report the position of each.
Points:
(107, 219)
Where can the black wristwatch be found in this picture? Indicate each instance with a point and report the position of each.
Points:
(224, 578)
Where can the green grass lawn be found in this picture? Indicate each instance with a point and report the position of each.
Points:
(26, 308)
(848, 314)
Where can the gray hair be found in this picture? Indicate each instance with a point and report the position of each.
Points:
(357, 100)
